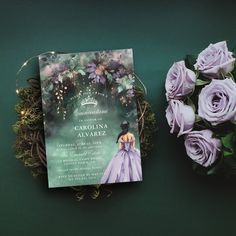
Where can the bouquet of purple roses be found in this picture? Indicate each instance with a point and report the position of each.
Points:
(201, 95)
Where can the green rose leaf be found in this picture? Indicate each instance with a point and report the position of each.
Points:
(198, 119)
(213, 170)
(190, 60)
(190, 103)
(227, 140)
(234, 122)
(228, 153)
(200, 82)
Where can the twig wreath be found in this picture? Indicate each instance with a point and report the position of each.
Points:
(29, 129)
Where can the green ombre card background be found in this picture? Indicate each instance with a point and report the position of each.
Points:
(172, 200)
(82, 139)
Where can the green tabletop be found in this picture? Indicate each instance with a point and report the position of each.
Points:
(172, 200)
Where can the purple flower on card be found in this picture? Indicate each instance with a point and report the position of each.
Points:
(120, 72)
(202, 148)
(130, 93)
(116, 69)
(53, 69)
(96, 72)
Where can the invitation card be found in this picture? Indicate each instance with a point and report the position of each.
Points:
(90, 118)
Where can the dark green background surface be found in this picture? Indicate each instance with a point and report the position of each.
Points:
(172, 200)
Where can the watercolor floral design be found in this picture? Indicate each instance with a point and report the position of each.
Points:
(110, 70)
(96, 72)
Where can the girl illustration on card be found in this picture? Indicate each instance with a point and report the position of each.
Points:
(125, 166)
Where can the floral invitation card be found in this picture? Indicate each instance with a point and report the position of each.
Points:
(90, 118)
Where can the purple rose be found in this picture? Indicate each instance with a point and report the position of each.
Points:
(202, 148)
(180, 117)
(215, 60)
(180, 81)
(217, 101)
